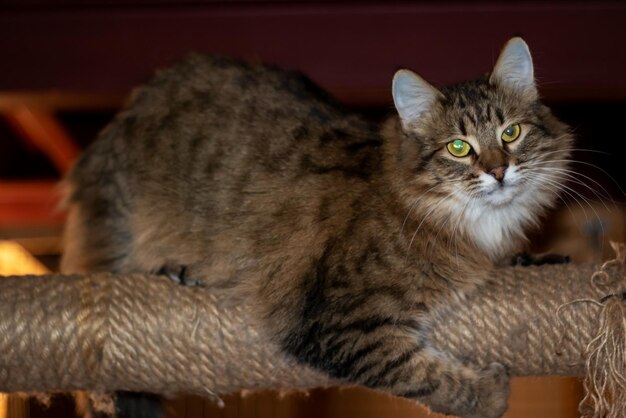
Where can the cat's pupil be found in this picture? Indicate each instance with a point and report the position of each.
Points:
(457, 144)
(509, 131)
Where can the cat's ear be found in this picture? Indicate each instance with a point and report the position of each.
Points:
(412, 95)
(514, 68)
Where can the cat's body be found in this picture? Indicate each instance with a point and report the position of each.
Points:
(264, 189)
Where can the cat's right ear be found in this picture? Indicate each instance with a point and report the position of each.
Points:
(514, 68)
(412, 96)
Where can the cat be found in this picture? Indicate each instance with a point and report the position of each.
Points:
(343, 237)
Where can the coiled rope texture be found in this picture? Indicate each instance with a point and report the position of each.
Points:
(105, 332)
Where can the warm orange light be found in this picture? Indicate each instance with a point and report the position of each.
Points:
(15, 260)
(4, 402)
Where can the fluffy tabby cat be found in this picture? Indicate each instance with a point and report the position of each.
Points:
(344, 238)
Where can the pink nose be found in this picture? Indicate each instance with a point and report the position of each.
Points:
(498, 172)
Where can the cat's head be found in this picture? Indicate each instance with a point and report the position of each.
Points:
(484, 157)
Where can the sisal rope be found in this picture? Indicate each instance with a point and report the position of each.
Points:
(523, 321)
(104, 332)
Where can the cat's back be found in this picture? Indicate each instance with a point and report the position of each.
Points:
(213, 147)
(213, 118)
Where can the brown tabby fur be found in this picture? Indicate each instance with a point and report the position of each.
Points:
(266, 189)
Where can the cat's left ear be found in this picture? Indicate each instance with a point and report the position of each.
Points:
(514, 68)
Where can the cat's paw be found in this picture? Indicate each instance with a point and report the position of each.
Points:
(178, 274)
(492, 393)
(525, 259)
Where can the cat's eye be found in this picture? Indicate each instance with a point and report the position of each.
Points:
(511, 133)
(459, 148)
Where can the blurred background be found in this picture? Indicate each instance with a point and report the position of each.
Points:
(67, 65)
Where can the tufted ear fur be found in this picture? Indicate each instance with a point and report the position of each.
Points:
(412, 96)
(514, 68)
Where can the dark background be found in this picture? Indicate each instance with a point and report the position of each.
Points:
(102, 48)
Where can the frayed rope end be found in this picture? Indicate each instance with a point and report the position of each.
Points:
(605, 365)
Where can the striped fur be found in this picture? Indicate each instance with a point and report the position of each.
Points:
(344, 238)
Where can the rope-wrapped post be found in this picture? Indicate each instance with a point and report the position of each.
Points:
(105, 332)
(534, 320)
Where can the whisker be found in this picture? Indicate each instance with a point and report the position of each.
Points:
(573, 179)
(471, 195)
(600, 223)
(443, 200)
(575, 150)
(584, 163)
(572, 173)
(413, 206)
(553, 188)
(558, 187)
(565, 188)
(456, 229)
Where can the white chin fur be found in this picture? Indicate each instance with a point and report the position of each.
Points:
(496, 219)
(498, 230)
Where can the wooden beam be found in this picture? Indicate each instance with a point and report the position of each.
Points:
(29, 204)
(41, 129)
(58, 100)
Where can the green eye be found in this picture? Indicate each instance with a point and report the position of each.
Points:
(459, 148)
(511, 133)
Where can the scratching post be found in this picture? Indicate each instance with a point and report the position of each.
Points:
(105, 332)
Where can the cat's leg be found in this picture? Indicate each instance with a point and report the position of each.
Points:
(443, 384)
(397, 362)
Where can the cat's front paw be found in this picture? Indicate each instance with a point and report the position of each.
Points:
(492, 393)
(178, 274)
